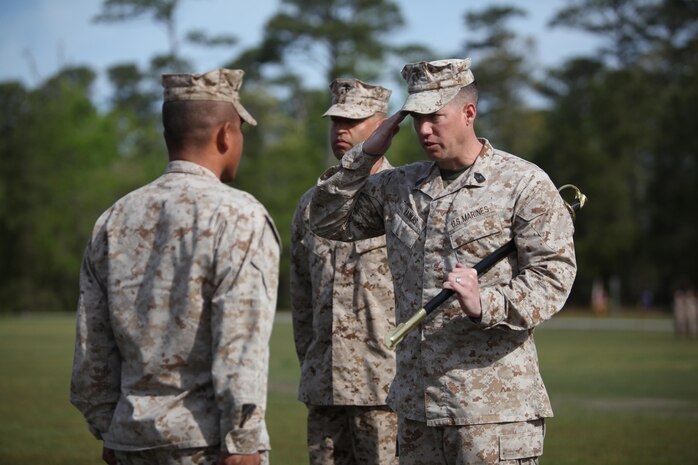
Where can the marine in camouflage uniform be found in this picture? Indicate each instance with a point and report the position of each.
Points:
(343, 301)
(177, 297)
(468, 387)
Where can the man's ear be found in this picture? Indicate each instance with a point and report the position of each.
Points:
(223, 138)
(469, 112)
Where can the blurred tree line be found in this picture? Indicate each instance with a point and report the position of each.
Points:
(618, 123)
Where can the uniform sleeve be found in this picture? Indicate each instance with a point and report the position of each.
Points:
(96, 374)
(301, 285)
(242, 314)
(345, 206)
(543, 232)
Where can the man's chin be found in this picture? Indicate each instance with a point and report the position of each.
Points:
(434, 153)
(340, 150)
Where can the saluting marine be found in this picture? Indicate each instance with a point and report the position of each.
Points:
(343, 302)
(177, 297)
(467, 387)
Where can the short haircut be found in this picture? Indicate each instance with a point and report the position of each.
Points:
(188, 123)
(467, 94)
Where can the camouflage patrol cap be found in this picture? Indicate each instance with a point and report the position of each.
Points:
(431, 85)
(352, 98)
(221, 85)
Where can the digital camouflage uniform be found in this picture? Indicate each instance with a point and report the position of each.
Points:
(343, 302)
(177, 297)
(455, 371)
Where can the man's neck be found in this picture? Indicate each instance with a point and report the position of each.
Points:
(377, 165)
(200, 159)
(471, 150)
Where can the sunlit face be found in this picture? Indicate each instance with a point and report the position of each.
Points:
(442, 134)
(346, 132)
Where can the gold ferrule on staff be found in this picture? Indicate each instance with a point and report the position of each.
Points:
(394, 337)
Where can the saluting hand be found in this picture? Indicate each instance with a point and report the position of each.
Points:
(379, 141)
(463, 281)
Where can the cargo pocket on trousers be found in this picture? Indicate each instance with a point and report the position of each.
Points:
(520, 446)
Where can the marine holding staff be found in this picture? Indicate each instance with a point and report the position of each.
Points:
(467, 388)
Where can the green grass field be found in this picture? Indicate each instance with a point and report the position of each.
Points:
(619, 397)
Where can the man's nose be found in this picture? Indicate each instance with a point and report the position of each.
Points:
(342, 127)
(423, 128)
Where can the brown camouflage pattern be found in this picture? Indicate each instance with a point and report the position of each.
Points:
(168, 456)
(351, 435)
(221, 85)
(518, 443)
(431, 85)
(343, 302)
(354, 99)
(453, 371)
(177, 298)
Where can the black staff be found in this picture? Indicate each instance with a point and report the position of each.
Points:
(394, 337)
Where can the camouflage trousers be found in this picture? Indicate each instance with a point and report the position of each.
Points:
(498, 443)
(171, 456)
(351, 435)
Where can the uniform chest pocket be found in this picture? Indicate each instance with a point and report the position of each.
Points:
(366, 245)
(317, 245)
(403, 231)
(475, 229)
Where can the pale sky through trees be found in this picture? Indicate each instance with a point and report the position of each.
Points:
(39, 37)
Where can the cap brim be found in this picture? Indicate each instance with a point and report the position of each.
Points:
(343, 110)
(429, 101)
(244, 114)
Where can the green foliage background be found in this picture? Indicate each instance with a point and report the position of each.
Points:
(620, 124)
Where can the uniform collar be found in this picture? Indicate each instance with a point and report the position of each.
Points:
(476, 176)
(478, 173)
(188, 167)
(385, 165)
